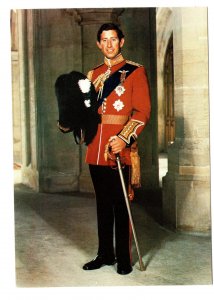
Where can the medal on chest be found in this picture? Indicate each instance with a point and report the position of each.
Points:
(120, 90)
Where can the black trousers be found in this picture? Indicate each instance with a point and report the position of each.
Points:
(111, 210)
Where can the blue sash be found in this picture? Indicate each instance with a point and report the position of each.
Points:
(113, 81)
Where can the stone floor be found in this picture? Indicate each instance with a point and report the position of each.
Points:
(55, 234)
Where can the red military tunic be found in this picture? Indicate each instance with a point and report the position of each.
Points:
(125, 111)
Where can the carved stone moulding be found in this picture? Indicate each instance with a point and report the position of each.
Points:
(89, 16)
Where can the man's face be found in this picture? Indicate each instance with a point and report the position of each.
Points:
(109, 43)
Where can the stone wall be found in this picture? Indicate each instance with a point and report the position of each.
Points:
(186, 187)
(59, 51)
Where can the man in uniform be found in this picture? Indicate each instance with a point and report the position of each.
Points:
(124, 105)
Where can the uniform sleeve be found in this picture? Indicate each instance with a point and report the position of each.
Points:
(141, 107)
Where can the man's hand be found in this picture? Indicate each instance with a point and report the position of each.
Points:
(116, 144)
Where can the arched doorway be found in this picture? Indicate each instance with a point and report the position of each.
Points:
(169, 117)
(169, 95)
(164, 77)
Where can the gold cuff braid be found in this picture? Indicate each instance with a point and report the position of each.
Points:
(129, 130)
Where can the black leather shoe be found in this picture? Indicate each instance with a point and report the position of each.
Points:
(98, 262)
(124, 269)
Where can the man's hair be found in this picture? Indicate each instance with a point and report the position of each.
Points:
(110, 26)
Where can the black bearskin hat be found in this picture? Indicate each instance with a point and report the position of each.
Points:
(77, 105)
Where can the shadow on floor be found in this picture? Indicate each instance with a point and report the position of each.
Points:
(55, 234)
(73, 215)
(151, 201)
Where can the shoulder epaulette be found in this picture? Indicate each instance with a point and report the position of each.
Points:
(90, 73)
(133, 63)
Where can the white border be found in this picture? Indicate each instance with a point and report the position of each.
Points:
(7, 274)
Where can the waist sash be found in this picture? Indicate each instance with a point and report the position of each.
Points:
(114, 119)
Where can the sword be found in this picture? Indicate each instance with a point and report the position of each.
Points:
(142, 267)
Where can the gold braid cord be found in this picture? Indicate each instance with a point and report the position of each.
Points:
(135, 166)
(107, 153)
(98, 82)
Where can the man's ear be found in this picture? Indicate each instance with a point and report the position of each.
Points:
(98, 45)
(122, 41)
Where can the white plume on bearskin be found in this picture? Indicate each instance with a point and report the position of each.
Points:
(84, 85)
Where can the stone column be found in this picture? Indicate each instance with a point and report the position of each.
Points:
(90, 20)
(186, 187)
(58, 51)
(27, 95)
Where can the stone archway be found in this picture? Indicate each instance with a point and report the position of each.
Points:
(169, 95)
(164, 34)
